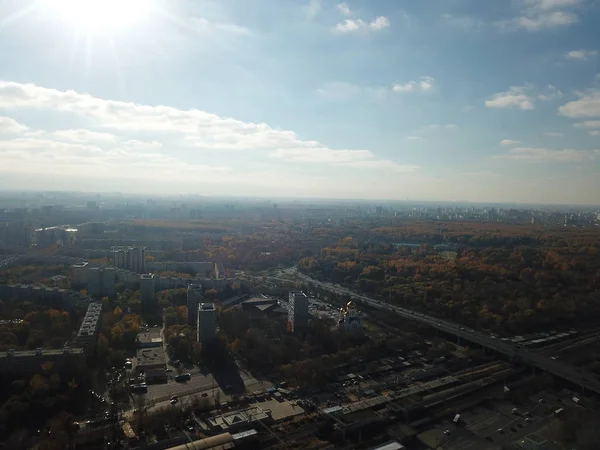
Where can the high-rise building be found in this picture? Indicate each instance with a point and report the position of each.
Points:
(194, 298)
(207, 322)
(297, 311)
(147, 289)
(79, 273)
(130, 258)
(101, 282)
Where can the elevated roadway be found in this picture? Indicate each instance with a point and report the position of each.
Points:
(585, 380)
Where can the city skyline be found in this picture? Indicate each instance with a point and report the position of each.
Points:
(437, 101)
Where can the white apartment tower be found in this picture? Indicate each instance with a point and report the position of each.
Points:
(194, 298)
(147, 289)
(297, 311)
(207, 322)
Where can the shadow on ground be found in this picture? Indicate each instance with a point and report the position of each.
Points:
(222, 365)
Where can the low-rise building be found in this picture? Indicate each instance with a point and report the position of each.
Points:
(151, 358)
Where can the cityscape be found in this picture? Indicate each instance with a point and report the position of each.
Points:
(236, 323)
(299, 225)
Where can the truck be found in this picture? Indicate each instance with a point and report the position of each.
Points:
(140, 388)
(183, 377)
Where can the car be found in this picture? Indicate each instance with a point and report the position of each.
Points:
(527, 419)
(174, 397)
(204, 394)
(501, 430)
(173, 401)
(169, 370)
(446, 432)
(541, 400)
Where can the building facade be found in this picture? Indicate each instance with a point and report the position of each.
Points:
(207, 322)
(130, 258)
(101, 282)
(194, 298)
(79, 274)
(148, 289)
(297, 311)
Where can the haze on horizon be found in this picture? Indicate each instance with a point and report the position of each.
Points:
(433, 100)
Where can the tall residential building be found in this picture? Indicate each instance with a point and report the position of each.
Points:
(79, 274)
(130, 258)
(207, 322)
(101, 282)
(297, 311)
(148, 289)
(194, 298)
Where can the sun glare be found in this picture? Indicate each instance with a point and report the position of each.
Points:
(101, 14)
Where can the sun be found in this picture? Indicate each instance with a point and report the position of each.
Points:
(96, 15)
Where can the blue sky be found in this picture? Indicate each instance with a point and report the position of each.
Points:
(432, 100)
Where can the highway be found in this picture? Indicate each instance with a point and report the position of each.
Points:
(585, 380)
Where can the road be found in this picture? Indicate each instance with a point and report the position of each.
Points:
(585, 380)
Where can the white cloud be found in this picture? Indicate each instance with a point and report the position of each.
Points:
(581, 55)
(344, 9)
(313, 8)
(321, 155)
(588, 105)
(424, 84)
(552, 93)
(588, 124)
(338, 91)
(509, 142)
(516, 97)
(551, 4)
(466, 23)
(75, 135)
(554, 134)
(414, 138)
(537, 15)
(594, 132)
(140, 134)
(381, 165)
(355, 25)
(532, 154)
(8, 125)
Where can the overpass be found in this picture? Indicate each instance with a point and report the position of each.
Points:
(585, 380)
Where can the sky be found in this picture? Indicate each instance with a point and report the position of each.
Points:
(450, 100)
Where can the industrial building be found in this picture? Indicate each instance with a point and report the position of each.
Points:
(194, 298)
(207, 322)
(101, 282)
(147, 289)
(297, 311)
(130, 258)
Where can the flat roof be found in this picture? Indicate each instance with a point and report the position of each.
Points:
(151, 356)
(45, 352)
(394, 445)
(207, 306)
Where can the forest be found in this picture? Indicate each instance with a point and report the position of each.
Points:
(509, 279)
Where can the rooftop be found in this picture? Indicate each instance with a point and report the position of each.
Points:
(151, 357)
(207, 306)
(147, 276)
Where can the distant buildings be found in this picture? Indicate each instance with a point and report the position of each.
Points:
(297, 311)
(207, 322)
(147, 289)
(194, 298)
(101, 282)
(130, 258)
